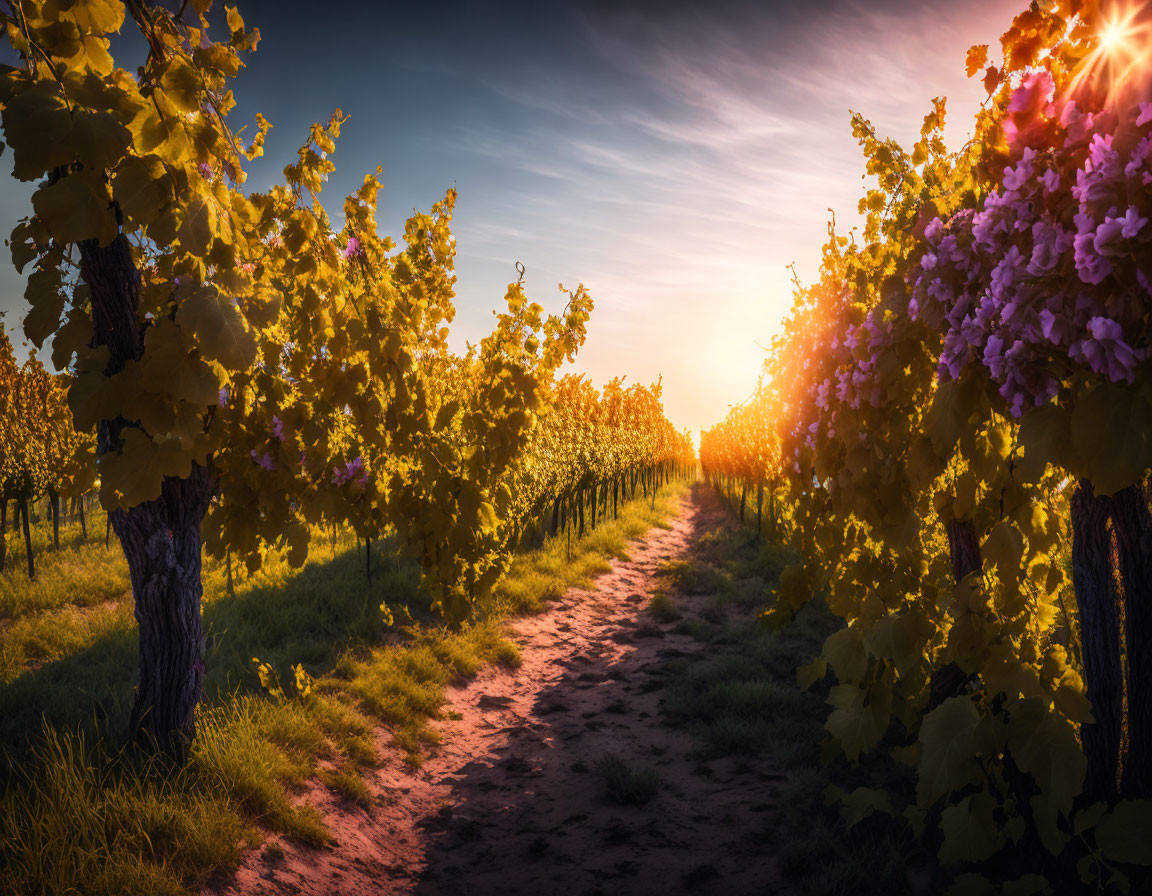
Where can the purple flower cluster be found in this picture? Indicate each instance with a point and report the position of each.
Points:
(353, 248)
(855, 382)
(1053, 270)
(353, 471)
(265, 460)
(1051, 274)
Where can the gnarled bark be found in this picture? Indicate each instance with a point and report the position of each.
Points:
(161, 538)
(114, 284)
(1132, 525)
(964, 551)
(1099, 637)
(54, 510)
(27, 538)
(161, 541)
(963, 548)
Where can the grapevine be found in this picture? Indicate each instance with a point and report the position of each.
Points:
(959, 413)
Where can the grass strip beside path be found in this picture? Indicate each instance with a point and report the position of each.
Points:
(78, 816)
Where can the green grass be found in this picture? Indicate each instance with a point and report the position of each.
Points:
(76, 820)
(80, 574)
(625, 784)
(78, 595)
(347, 781)
(539, 576)
(695, 577)
(663, 608)
(743, 700)
(77, 814)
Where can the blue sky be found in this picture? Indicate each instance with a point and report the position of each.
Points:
(673, 157)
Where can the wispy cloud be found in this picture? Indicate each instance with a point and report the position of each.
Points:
(699, 160)
(673, 156)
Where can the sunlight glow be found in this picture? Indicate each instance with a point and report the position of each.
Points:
(1112, 37)
(1122, 59)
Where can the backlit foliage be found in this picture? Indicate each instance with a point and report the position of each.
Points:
(307, 365)
(979, 345)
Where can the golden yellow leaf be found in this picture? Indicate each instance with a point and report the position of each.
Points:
(77, 207)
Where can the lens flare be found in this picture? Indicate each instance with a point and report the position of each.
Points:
(1112, 37)
(1119, 67)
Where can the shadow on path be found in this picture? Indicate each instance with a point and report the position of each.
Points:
(529, 809)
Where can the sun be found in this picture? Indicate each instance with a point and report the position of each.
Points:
(1120, 63)
(1113, 36)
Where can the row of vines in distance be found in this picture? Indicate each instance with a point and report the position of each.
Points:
(41, 453)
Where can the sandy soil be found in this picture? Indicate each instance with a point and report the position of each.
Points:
(510, 803)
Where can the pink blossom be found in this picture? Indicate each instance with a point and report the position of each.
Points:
(1054, 327)
(1138, 162)
(822, 394)
(1078, 124)
(1116, 228)
(1100, 151)
(1046, 248)
(1133, 223)
(353, 248)
(1106, 352)
(998, 283)
(1017, 177)
(1090, 264)
(1034, 92)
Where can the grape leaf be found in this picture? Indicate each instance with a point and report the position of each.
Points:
(38, 127)
(1112, 432)
(142, 188)
(976, 59)
(136, 472)
(1125, 833)
(949, 745)
(970, 830)
(218, 327)
(859, 718)
(100, 140)
(77, 207)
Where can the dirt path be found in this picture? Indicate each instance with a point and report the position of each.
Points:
(511, 803)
